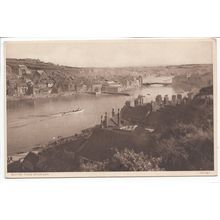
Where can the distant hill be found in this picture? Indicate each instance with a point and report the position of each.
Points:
(35, 64)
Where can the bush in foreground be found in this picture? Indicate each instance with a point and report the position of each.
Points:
(124, 160)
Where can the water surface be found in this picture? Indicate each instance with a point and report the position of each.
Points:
(34, 122)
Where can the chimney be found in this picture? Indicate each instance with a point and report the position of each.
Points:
(136, 102)
(113, 112)
(128, 103)
(166, 100)
(106, 120)
(142, 100)
(118, 117)
(174, 99)
(152, 106)
(101, 121)
(179, 98)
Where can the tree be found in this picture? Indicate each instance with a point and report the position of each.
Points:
(128, 160)
(186, 147)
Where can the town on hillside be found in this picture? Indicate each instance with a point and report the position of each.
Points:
(30, 77)
(24, 80)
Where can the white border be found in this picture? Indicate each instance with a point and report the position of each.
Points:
(111, 174)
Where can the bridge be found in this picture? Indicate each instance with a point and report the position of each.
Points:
(164, 81)
(157, 83)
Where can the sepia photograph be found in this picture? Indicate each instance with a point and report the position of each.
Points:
(101, 108)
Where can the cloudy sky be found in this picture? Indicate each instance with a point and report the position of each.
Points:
(119, 53)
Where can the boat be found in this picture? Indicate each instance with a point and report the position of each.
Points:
(72, 112)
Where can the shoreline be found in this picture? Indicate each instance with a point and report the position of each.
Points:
(65, 94)
(50, 144)
(41, 96)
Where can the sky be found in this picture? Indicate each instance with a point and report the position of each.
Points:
(115, 53)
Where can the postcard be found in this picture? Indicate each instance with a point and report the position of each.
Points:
(109, 108)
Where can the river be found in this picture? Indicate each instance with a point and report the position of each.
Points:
(32, 122)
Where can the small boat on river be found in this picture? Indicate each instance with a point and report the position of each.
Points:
(74, 111)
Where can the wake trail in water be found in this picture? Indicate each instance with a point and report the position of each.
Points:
(41, 118)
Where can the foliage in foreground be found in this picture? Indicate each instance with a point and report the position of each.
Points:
(186, 147)
(180, 147)
(124, 160)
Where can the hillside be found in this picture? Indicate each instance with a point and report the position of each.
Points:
(32, 76)
(36, 64)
